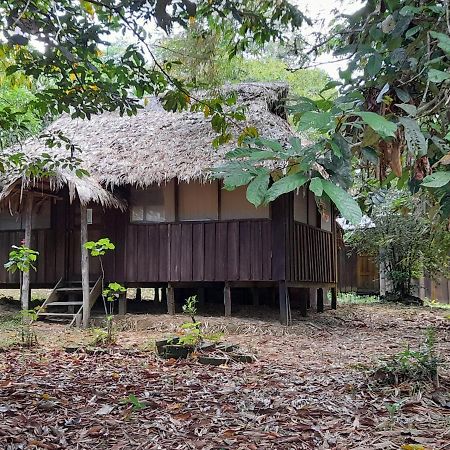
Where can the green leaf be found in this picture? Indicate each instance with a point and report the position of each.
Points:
(315, 120)
(234, 180)
(285, 184)
(346, 204)
(408, 108)
(436, 180)
(316, 186)
(444, 40)
(417, 144)
(257, 189)
(437, 76)
(373, 65)
(378, 123)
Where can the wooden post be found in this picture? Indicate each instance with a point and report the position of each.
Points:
(156, 296)
(123, 304)
(334, 298)
(84, 265)
(201, 297)
(138, 294)
(320, 300)
(255, 296)
(164, 295)
(170, 300)
(313, 298)
(283, 297)
(25, 287)
(227, 299)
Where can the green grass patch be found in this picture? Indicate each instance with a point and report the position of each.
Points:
(351, 298)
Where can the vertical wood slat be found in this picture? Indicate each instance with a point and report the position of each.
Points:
(210, 251)
(198, 251)
(175, 251)
(233, 251)
(164, 252)
(221, 251)
(186, 252)
(245, 251)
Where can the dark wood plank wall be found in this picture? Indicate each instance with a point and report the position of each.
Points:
(194, 251)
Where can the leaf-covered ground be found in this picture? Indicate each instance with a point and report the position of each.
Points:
(310, 388)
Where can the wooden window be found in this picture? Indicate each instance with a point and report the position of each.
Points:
(234, 205)
(153, 204)
(198, 201)
(41, 218)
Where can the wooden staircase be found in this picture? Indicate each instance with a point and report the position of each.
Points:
(65, 302)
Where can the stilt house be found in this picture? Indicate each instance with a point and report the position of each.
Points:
(174, 228)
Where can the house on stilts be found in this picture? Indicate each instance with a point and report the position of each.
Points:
(174, 228)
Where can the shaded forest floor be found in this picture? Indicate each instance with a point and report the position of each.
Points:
(311, 387)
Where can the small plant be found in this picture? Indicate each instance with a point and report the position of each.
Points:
(412, 365)
(21, 258)
(136, 404)
(27, 335)
(190, 307)
(393, 409)
(111, 294)
(100, 247)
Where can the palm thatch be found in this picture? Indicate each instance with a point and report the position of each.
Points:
(155, 145)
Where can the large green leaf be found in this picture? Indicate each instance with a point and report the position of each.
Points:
(257, 189)
(285, 184)
(436, 180)
(236, 179)
(346, 204)
(417, 144)
(316, 186)
(315, 120)
(378, 123)
(444, 40)
(437, 76)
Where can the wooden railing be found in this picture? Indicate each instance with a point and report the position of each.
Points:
(313, 257)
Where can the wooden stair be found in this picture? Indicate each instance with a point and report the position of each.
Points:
(65, 302)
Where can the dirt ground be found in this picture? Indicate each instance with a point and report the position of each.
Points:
(310, 388)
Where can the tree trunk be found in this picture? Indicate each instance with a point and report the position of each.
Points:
(25, 287)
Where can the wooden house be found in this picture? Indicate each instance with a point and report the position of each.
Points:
(174, 227)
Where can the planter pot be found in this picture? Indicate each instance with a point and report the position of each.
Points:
(243, 358)
(176, 351)
(226, 347)
(160, 345)
(213, 360)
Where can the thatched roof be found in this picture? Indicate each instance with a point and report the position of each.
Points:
(155, 146)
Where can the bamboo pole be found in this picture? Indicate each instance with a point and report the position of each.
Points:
(84, 265)
(25, 286)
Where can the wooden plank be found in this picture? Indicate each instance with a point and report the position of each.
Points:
(320, 300)
(333, 298)
(266, 251)
(198, 251)
(131, 259)
(142, 252)
(186, 252)
(233, 251)
(175, 251)
(244, 250)
(164, 252)
(210, 251)
(153, 253)
(256, 250)
(283, 297)
(221, 251)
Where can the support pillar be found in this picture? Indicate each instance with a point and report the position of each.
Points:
(84, 265)
(164, 295)
(255, 296)
(156, 296)
(201, 297)
(123, 304)
(25, 287)
(313, 298)
(334, 298)
(138, 294)
(171, 300)
(283, 297)
(320, 300)
(227, 299)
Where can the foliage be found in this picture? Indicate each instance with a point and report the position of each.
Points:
(351, 298)
(134, 402)
(99, 248)
(21, 258)
(190, 307)
(82, 80)
(412, 365)
(104, 336)
(291, 166)
(406, 238)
